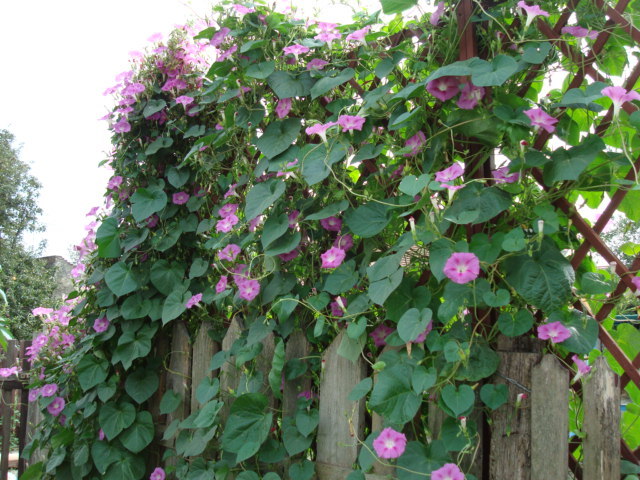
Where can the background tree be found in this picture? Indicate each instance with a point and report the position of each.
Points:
(26, 279)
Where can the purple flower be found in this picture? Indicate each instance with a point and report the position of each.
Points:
(462, 267)
(320, 129)
(221, 286)
(122, 126)
(435, 16)
(390, 444)
(253, 223)
(344, 242)
(41, 311)
(316, 64)
(423, 336)
(554, 331)
(242, 10)
(470, 96)
(248, 289)
(7, 372)
(328, 37)
(539, 118)
(180, 198)
(583, 368)
(636, 283)
(114, 182)
(228, 209)
(184, 100)
(34, 394)
(101, 324)
(226, 224)
(331, 224)
(531, 11)
(219, 36)
(501, 175)
(415, 143)
(230, 252)
(326, 27)
(193, 301)
(449, 471)
(56, 407)
(283, 107)
(351, 122)
(332, 258)
(619, 96)
(227, 54)
(152, 221)
(49, 390)
(379, 334)
(579, 32)
(157, 474)
(449, 174)
(338, 306)
(443, 88)
(293, 218)
(295, 49)
(286, 257)
(358, 35)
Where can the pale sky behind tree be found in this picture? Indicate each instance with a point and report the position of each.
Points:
(58, 59)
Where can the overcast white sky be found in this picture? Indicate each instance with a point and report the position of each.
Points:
(58, 58)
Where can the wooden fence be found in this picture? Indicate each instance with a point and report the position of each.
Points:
(529, 441)
(14, 409)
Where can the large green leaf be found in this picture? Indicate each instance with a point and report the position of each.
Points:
(569, 164)
(91, 371)
(584, 332)
(294, 441)
(396, 6)
(342, 278)
(288, 85)
(458, 400)
(579, 98)
(121, 279)
(384, 277)
(108, 239)
(393, 397)
(477, 204)
(317, 159)
(413, 323)
(141, 384)
(140, 434)
(368, 220)
(247, 426)
(127, 466)
(418, 460)
(133, 344)
(494, 73)
(115, 417)
(278, 136)
(543, 279)
(104, 454)
(273, 229)
(166, 276)
(261, 70)
(262, 196)
(147, 201)
(135, 306)
(277, 364)
(332, 80)
(175, 304)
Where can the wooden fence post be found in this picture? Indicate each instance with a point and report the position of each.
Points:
(297, 347)
(341, 420)
(601, 445)
(550, 419)
(229, 373)
(203, 349)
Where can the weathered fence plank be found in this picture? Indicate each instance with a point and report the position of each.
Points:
(550, 414)
(203, 349)
(297, 347)
(341, 420)
(264, 362)
(6, 409)
(601, 445)
(511, 425)
(229, 373)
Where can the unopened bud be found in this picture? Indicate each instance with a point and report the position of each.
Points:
(520, 398)
(540, 227)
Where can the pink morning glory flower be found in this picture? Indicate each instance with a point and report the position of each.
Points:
(501, 175)
(78, 270)
(449, 471)
(283, 107)
(331, 224)
(152, 221)
(101, 324)
(316, 64)
(415, 143)
(580, 32)
(462, 267)
(56, 407)
(636, 283)
(248, 289)
(157, 474)
(332, 258)
(193, 301)
(184, 100)
(230, 252)
(226, 224)
(49, 390)
(242, 10)
(320, 129)
(619, 96)
(34, 394)
(114, 182)
(423, 336)
(437, 14)
(295, 49)
(358, 35)
(540, 118)
(379, 334)
(180, 198)
(293, 218)
(231, 192)
(255, 222)
(41, 311)
(443, 88)
(7, 372)
(227, 54)
(351, 122)
(583, 368)
(345, 242)
(449, 174)
(328, 37)
(122, 126)
(287, 257)
(156, 37)
(532, 11)
(228, 209)
(327, 27)
(338, 306)
(219, 36)
(554, 331)
(470, 96)
(390, 444)
(221, 286)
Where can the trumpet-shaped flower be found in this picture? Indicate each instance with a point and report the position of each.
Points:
(283, 107)
(56, 407)
(540, 118)
(470, 96)
(554, 331)
(501, 175)
(331, 224)
(333, 257)
(221, 286)
(583, 368)
(351, 122)
(316, 64)
(157, 474)
(443, 88)
(219, 36)
(437, 14)
(295, 49)
(449, 471)
(248, 289)
(228, 209)
(531, 11)
(462, 267)
(230, 252)
(358, 35)
(619, 96)
(449, 174)
(415, 143)
(180, 198)
(389, 444)
(100, 324)
(580, 32)
(194, 300)
(320, 129)
(379, 334)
